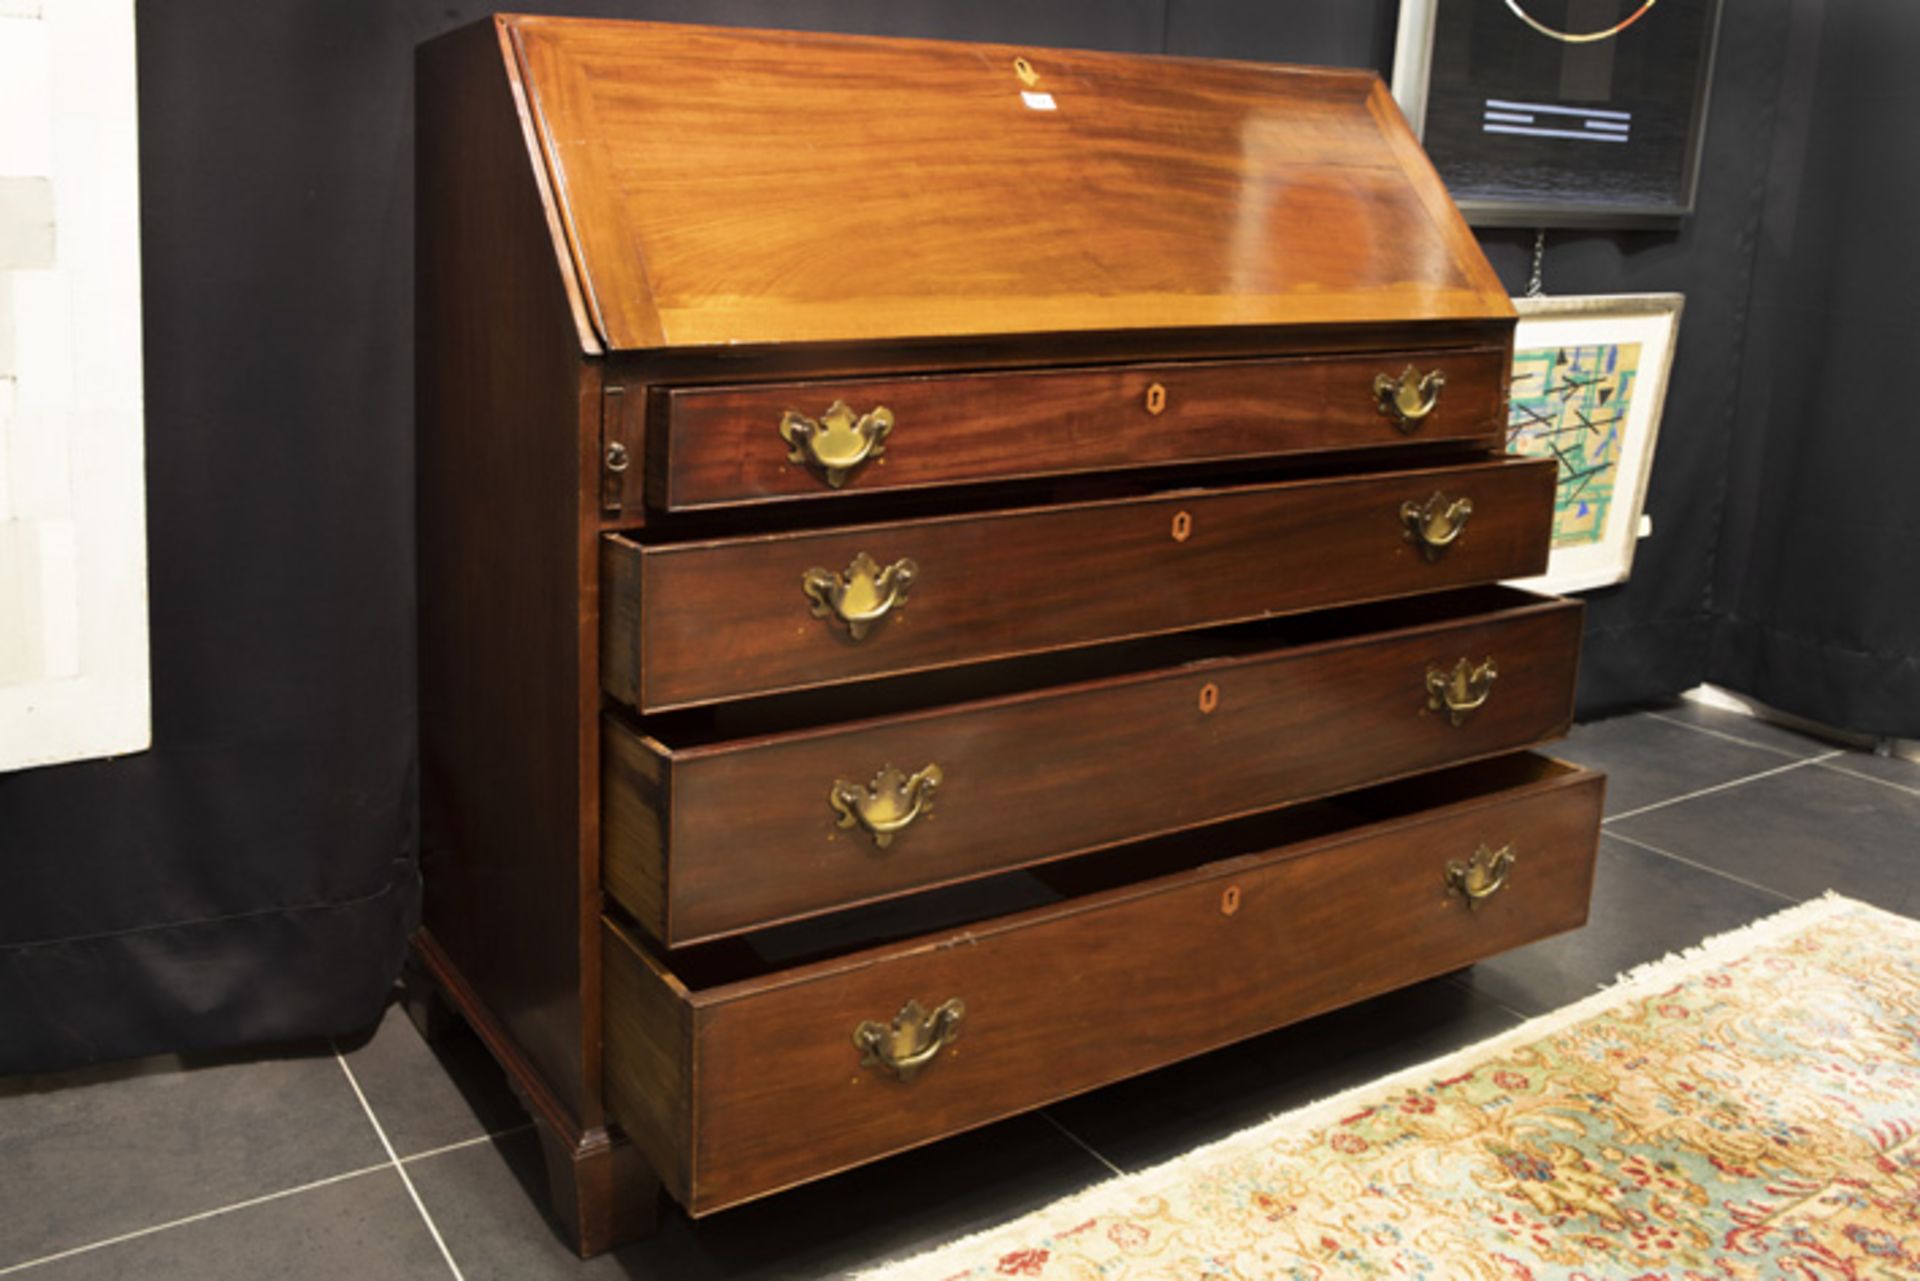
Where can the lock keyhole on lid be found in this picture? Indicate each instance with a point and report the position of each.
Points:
(1230, 900)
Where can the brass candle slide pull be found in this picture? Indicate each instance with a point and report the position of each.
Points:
(1436, 524)
(1459, 691)
(1482, 876)
(884, 807)
(1409, 398)
(911, 1041)
(861, 595)
(836, 442)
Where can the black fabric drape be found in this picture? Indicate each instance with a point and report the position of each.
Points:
(252, 878)
(1817, 590)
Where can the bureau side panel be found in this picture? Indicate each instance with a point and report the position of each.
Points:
(500, 382)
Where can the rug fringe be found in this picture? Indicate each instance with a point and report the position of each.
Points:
(941, 1263)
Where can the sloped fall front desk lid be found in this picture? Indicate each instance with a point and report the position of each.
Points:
(723, 186)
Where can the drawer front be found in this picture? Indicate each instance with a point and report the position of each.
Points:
(699, 623)
(763, 830)
(1065, 998)
(782, 441)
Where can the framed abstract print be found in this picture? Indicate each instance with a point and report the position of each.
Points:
(1560, 113)
(1589, 382)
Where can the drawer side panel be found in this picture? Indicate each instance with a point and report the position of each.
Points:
(649, 1058)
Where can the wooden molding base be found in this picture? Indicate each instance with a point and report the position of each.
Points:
(601, 1191)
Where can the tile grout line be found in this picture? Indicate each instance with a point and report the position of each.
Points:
(463, 1144)
(1086, 1146)
(1722, 734)
(1681, 858)
(1721, 787)
(398, 1165)
(191, 1218)
(1871, 778)
(263, 1199)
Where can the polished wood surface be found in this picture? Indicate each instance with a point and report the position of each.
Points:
(737, 187)
(499, 419)
(637, 243)
(727, 619)
(750, 838)
(721, 445)
(1063, 998)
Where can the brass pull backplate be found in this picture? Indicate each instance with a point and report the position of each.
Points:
(884, 807)
(1409, 398)
(836, 442)
(1436, 524)
(1482, 876)
(862, 594)
(1460, 690)
(906, 1045)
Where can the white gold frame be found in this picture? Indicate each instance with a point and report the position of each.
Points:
(1653, 321)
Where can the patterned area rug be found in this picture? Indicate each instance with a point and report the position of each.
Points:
(1748, 1110)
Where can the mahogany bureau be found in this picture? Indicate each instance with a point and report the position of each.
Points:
(949, 575)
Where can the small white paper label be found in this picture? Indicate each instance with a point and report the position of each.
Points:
(1646, 525)
(1037, 101)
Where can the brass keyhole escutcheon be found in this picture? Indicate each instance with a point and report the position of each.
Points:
(1209, 697)
(1182, 526)
(1230, 900)
(1024, 69)
(1156, 398)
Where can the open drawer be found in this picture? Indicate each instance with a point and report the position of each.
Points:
(770, 442)
(731, 819)
(756, 1063)
(690, 623)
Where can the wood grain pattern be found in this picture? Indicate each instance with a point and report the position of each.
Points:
(500, 387)
(721, 445)
(727, 619)
(1083, 987)
(650, 1082)
(737, 187)
(751, 838)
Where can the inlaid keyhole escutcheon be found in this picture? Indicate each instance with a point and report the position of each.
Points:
(1156, 398)
(1209, 697)
(1230, 900)
(1182, 526)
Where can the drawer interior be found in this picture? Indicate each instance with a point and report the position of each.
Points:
(701, 727)
(1139, 869)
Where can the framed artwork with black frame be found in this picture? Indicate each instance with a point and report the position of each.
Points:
(1560, 113)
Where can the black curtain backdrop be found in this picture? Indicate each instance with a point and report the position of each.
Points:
(253, 877)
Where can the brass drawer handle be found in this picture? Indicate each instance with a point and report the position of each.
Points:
(1409, 398)
(836, 442)
(860, 596)
(887, 805)
(1436, 524)
(1482, 876)
(1460, 691)
(912, 1040)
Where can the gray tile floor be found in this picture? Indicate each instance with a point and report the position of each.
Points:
(385, 1158)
